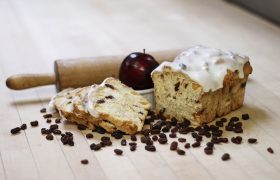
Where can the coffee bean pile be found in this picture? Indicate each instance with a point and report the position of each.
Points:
(157, 130)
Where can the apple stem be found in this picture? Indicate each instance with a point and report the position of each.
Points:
(144, 50)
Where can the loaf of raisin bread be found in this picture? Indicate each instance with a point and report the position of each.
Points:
(201, 84)
(118, 106)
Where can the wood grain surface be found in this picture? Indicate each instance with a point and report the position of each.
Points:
(33, 33)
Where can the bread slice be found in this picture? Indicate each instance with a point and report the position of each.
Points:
(180, 96)
(64, 103)
(119, 107)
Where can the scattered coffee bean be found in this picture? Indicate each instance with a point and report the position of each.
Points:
(118, 151)
(23, 127)
(245, 116)
(182, 140)
(270, 150)
(162, 140)
(49, 137)
(187, 145)
(48, 121)
(133, 138)
(95, 147)
(34, 123)
(196, 144)
(173, 146)
(225, 157)
(47, 116)
(89, 136)
(43, 110)
(58, 120)
(252, 140)
(155, 138)
(150, 148)
(81, 127)
(123, 142)
(84, 161)
(181, 152)
(173, 135)
(15, 130)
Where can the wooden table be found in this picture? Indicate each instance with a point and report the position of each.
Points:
(34, 33)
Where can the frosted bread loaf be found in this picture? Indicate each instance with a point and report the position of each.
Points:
(119, 106)
(201, 84)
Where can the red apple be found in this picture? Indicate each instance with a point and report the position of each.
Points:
(135, 70)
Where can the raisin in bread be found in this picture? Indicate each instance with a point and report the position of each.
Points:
(201, 84)
(119, 107)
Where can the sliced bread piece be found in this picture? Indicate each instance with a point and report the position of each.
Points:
(119, 106)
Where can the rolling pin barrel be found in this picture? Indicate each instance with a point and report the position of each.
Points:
(73, 73)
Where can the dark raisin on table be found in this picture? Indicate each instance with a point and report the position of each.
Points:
(58, 120)
(270, 150)
(48, 121)
(181, 152)
(84, 161)
(43, 110)
(133, 138)
(47, 115)
(81, 127)
(15, 130)
(245, 116)
(150, 148)
(196, 144)
(252, 140)
(118, 151)
(173, 146)
(182, 140)
(34, 123)
(95, 147)
(89, 136)
(225, 157)
(162, 140)
(133, 148)
(23, 127)
(187, 145)
(49, 137)
(123, 142)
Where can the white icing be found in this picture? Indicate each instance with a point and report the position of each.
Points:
(207, 66)
(90, 100)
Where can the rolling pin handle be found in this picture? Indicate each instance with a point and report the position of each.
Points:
(25, 81)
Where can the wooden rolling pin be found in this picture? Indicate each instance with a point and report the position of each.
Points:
(79, 72)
